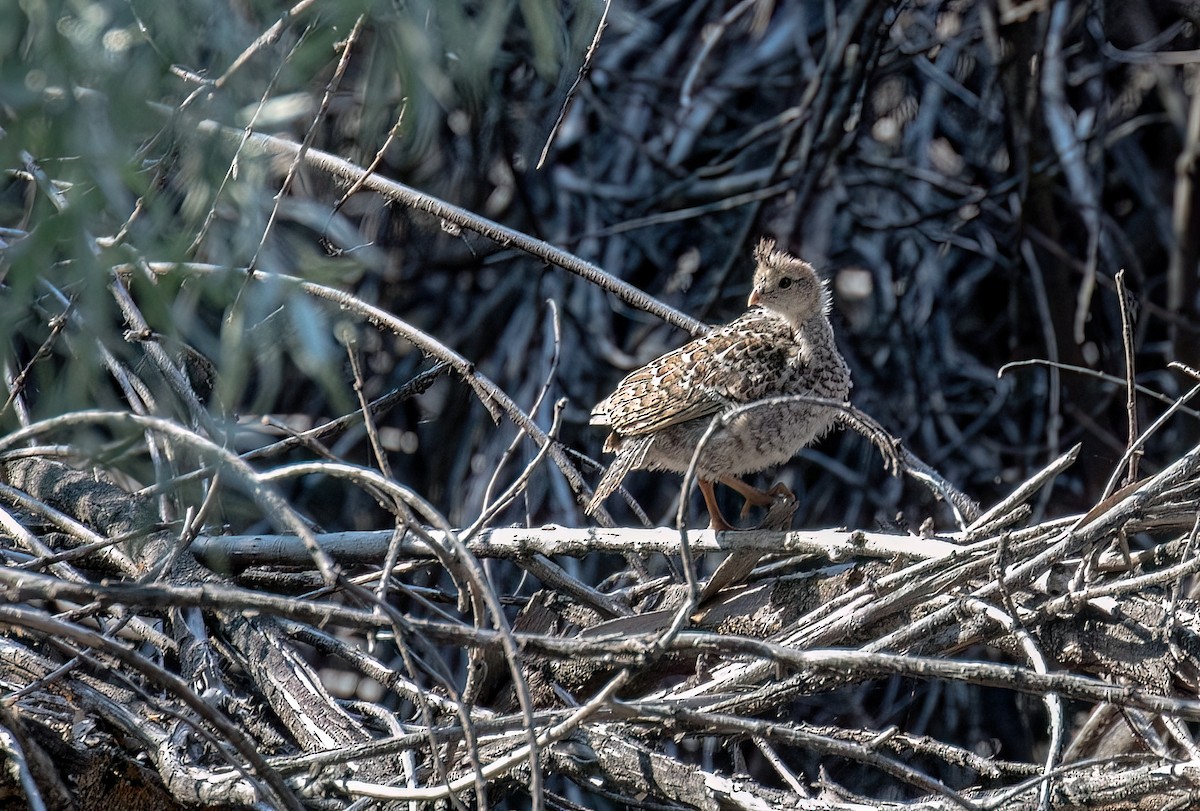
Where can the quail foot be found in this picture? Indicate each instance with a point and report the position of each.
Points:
(782, 345)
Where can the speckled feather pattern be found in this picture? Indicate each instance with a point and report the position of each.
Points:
(658, 414)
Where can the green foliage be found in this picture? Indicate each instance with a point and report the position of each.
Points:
(99, 101)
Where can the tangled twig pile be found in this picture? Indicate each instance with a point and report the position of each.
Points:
(264, 433)
(630, 690)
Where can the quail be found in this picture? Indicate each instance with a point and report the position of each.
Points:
(782, 345)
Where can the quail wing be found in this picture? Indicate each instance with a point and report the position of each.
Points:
(735, 364)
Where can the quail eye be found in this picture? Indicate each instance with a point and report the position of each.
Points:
(785, 283)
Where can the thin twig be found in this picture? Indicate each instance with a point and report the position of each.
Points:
(503, 235)
(584, 67)
(1130, 375)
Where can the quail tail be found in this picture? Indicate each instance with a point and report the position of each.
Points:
(630, 456)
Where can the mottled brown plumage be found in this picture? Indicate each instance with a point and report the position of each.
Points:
(783, 345)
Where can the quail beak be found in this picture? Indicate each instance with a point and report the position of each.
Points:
(755, 298)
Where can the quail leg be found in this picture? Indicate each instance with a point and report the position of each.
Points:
(755, 497)
(716, 521)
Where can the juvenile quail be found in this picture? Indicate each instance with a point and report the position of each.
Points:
(783, 345)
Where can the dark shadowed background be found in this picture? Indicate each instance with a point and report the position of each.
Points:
(969, 176)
